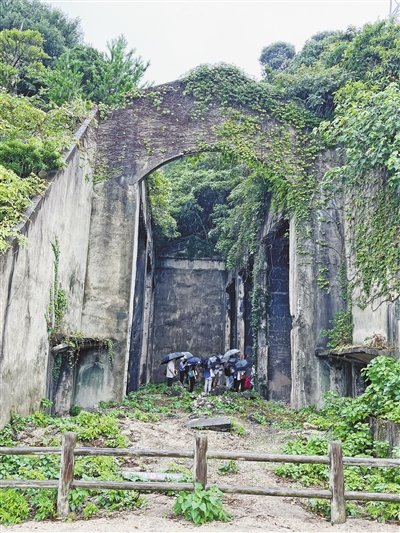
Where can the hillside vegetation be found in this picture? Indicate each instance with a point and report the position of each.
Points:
(49, 81)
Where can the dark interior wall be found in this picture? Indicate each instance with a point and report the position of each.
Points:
(189, 310)
(137, 320)
(279, 321)
(248, 331)
(231, 313)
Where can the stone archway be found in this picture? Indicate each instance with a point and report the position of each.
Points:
(150, 131)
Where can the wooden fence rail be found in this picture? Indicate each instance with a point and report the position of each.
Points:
(200, 455)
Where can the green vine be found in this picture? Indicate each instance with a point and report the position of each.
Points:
(341, 334)
(76, 342)
(58, 304)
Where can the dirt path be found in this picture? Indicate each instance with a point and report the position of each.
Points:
(249, 513)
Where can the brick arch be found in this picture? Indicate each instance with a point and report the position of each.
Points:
(155, 129)
(149, 132)
(152, 130)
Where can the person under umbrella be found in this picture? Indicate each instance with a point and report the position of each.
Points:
(169, 360)
(182, 369)
(171, 372)
(192, 375)
(240, 378)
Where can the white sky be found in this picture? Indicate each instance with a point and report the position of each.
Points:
(178, 35)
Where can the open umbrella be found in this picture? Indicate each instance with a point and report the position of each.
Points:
(187, 355)
(234, 351)
(242, 364)
(213, 361)
(227, 355)
(194, 361)
(174, 355)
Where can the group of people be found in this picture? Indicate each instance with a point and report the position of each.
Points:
(214, 375)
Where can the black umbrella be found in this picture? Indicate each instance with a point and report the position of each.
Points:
(174, 355)
(242, 364)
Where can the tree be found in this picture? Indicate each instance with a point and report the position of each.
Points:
(21, 57)
(277, 55)
(87, 73)
(64, 81)
(120, 73)
(56, 28)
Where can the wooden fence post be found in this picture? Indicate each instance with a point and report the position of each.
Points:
(336, 483)
(66, 473)
(200, 460)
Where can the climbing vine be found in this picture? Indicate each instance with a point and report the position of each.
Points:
(367, 125)
(55, 316)
(58, 304)
(274, 144)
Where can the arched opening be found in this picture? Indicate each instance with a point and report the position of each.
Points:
(199, 304)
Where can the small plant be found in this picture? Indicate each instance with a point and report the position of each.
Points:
(201, 505)
(74, 410)
(45, 403)
(237, 428)
(116, 500)
(76, 499)
(229, 468)
(44, 503)
(258, 417)
(89, 510)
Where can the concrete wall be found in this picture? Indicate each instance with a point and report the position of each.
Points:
(382, 318)
(189, 310)
(27, 274)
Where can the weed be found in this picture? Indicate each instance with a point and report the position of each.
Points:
(231, 467)
(237, 428)
(115, 500)
(90, 510)
(201, 505)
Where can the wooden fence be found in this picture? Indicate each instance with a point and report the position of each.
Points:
(334, 460)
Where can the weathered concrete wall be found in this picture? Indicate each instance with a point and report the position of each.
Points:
(112, 275)
(189, 310)
(315, 295)
(382, 318)
(27, 274)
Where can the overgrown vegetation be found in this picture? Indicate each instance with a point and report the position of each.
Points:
(343, 419)
(341, 89)
(346, 419)
(49, 81)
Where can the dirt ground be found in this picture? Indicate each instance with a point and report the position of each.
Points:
(249, 513)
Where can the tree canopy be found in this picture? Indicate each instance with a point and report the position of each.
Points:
(57, 29)
(277, 55)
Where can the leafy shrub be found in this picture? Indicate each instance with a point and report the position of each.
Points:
(15, 197)
(44, 503)
(341, 334)
(13, 507)
(201, 505)
(116, 500)
(89, 510)
(346, 420)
